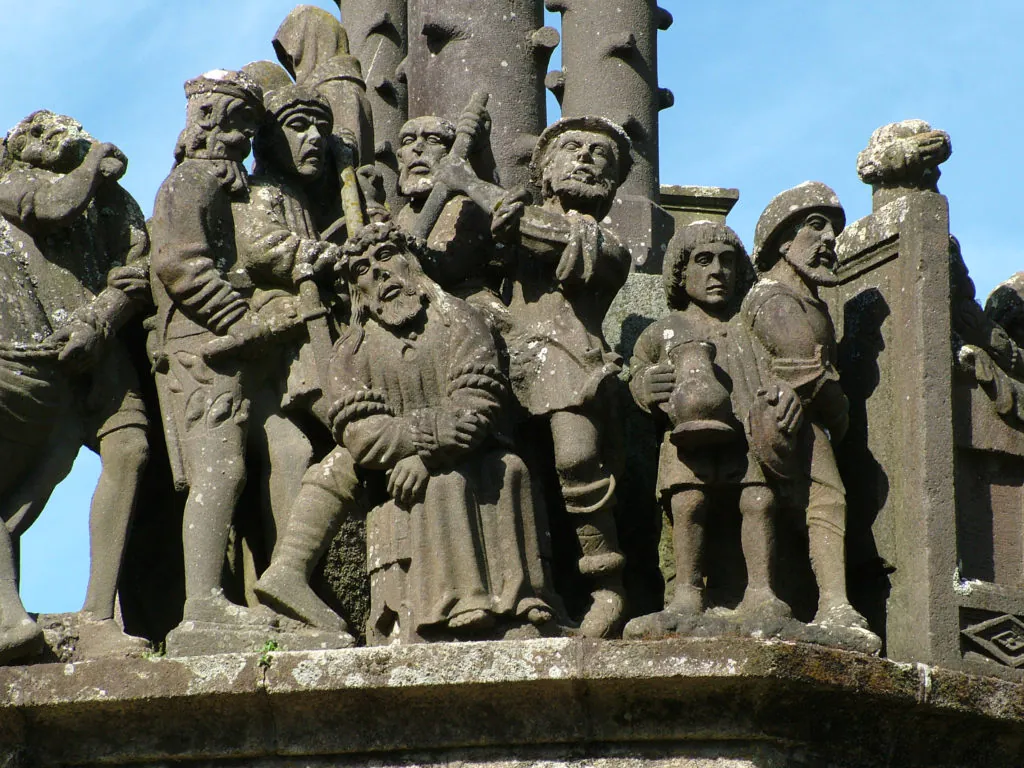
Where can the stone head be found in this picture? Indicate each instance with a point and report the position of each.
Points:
(707, 264)
(47, 140)
(223, 112)
(422, 143)
(384, 278)
(581, 161)
(800, 226)
(293, 139)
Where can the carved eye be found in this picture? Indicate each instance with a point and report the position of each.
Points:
(572, 146)
(407, 140)
(600, 151)
(37, 131)
(385, 254)
(433, 139)
(703, 258)
(360, 268)
(816, 221)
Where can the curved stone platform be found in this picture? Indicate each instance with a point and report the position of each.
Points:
(563, 702)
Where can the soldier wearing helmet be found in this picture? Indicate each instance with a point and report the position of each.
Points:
(795, 255)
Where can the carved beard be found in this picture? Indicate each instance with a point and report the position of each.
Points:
(586, 192)
(401, 309)
(817, 272)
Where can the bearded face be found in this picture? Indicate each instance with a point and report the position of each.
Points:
(56, 143)
(581, 169)
(423, 143)
(382, 280)
(811, 250)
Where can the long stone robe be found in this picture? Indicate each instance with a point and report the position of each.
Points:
(472, 542)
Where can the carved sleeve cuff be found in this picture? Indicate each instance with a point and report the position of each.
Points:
(354, 406)
(424, 433)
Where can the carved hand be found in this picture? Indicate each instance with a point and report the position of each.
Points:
(112, 161)
(789, 412)
(456, 174)
(408, 481)
(461, 430)
(81, 343)
(659, 381)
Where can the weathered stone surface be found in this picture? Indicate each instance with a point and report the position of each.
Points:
(667, 703)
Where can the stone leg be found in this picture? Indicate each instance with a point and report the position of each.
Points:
(589, 492)
(689, 515)
(285, 453)
(329, 490)
(757, 507)
(216, 460)
(124, 454)
(19, 635)
(826, 534)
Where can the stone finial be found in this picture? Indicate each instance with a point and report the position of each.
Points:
(903, 157)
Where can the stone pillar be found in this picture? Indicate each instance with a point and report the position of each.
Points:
(892, 313)
(610, 68)
(457, 47)
(377, 35)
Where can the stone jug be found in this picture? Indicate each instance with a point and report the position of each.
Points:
(699, 407)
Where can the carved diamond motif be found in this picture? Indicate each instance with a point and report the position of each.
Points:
(1002, 637)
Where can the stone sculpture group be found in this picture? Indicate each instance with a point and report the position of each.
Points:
(399, 334)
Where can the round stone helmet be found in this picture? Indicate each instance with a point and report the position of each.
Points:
(786, 206)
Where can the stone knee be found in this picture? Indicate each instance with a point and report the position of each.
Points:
(127, 449)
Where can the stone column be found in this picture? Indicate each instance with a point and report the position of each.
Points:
(377, 35)
(500, 47)
(610, 68)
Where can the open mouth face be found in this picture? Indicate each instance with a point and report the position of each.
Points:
(390, 290)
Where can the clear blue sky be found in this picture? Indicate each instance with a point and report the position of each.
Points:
(768, 94)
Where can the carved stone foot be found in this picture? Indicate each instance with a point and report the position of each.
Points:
(472, 621)
(102, 638)
(762, 614)
(20, 641)
(603, 618)
(841, 626)
(666, 623)
(217, 609)
(286, 591)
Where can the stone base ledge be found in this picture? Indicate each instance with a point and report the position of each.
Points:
(726, 702)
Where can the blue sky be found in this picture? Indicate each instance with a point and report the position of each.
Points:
(768, 94)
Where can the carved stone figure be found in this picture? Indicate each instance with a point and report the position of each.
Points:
(75, 273)
(794, 253)
(694, 371)
(419, 395)
(313, 46)
(280, 249)
(459, 251)
(208, 330)
(569, 269)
